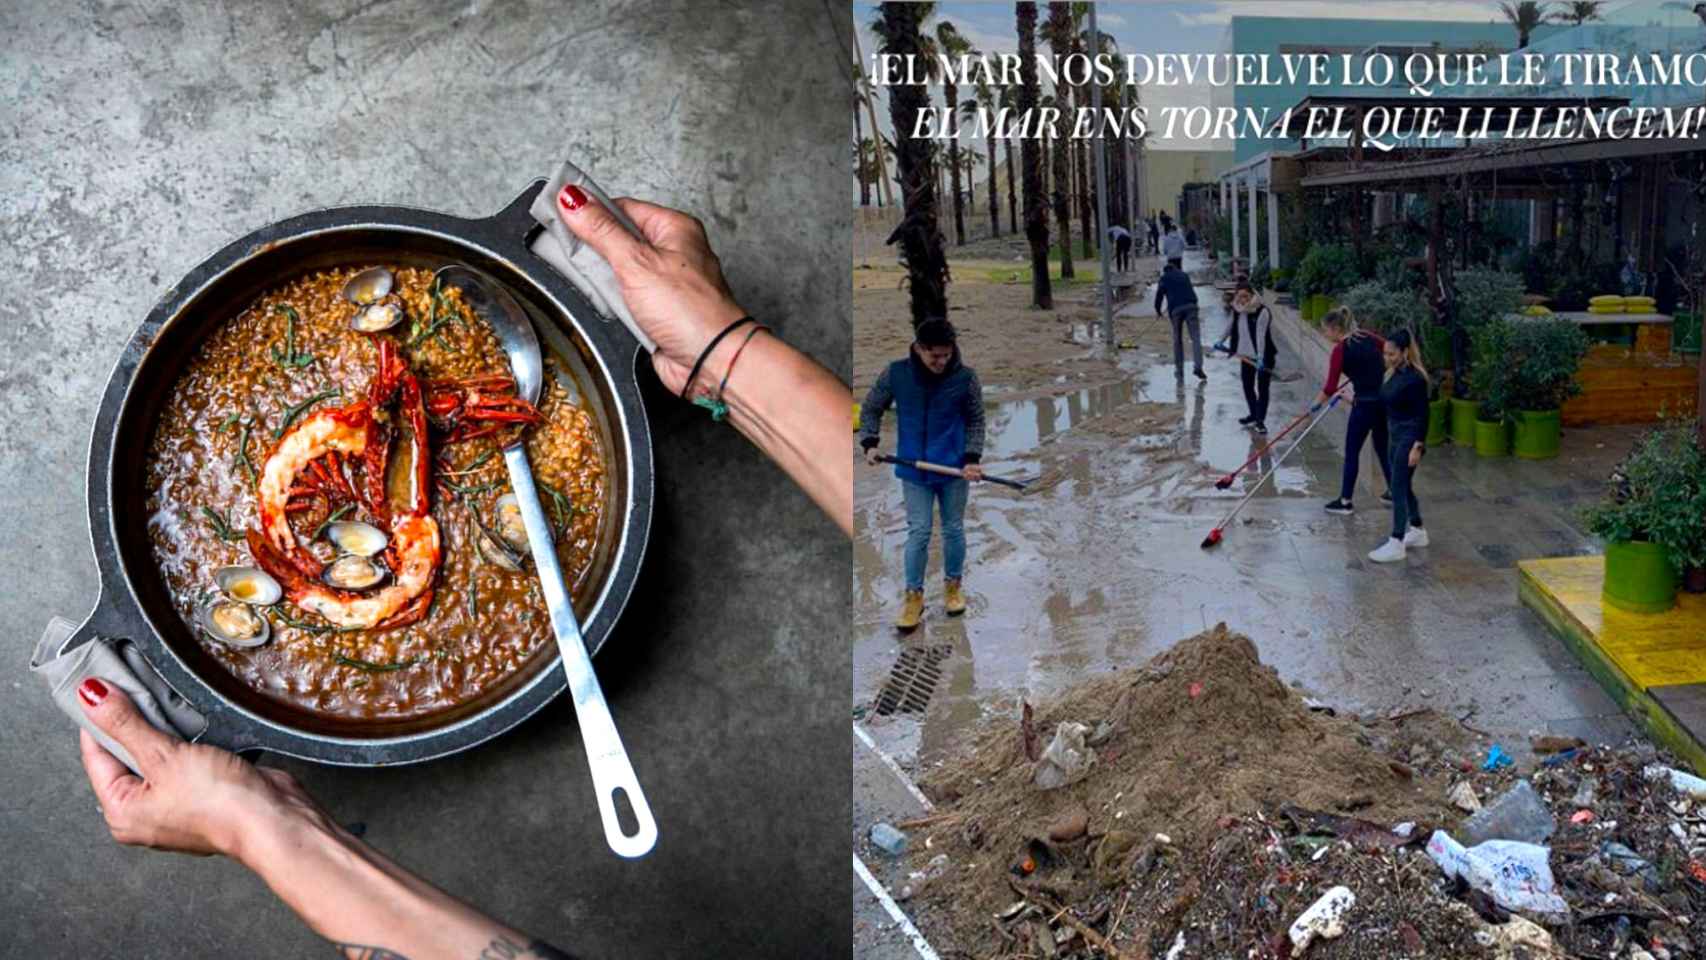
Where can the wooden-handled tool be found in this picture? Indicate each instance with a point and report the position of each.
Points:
(928, 467)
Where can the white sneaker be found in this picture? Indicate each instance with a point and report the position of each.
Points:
(1391, 551)
(1416, 537)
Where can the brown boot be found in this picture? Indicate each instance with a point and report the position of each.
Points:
(954, 599)
(911, 612)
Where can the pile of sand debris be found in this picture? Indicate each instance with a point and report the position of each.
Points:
(1221, 804)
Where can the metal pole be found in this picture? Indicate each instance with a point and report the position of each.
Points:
(1102, 196)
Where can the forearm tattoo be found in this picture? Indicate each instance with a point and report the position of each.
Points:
(501, 948)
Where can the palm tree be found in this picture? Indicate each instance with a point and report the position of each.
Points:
(1010, 100)
(951, 43)
(1036, 220)
(899, 30)
(1058, 29)
(1525, 17)
(861, 145)
(985, 101)
(1579, 13)
(870, 167)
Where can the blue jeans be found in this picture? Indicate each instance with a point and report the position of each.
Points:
(1406, 513)
(920, 498)
(1367, 416)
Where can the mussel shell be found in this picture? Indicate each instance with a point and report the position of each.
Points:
(368, 285)
(498, 554)
(375, 317)
(353, 572)
(506, 519)
(235, 624)
(248, 585)
(361, 539)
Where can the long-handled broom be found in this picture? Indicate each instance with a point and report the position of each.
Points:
(949, 471)
(1226, 481)
(1286, 377)
(1213, 538)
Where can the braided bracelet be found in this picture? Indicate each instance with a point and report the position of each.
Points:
(706, 353)
(718, 409)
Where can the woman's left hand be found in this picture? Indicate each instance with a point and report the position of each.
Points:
(1415, 456)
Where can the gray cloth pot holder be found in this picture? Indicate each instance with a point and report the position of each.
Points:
(117, 662)
(589, 272)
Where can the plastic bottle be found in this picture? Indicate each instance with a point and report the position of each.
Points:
(888, 839)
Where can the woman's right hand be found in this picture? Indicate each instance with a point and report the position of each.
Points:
(190, 798)
(671, 280)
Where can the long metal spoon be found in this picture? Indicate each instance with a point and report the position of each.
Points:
(611, 771)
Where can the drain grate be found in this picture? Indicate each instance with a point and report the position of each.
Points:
(913, 680)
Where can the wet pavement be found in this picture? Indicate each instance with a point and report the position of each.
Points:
(1100, 567)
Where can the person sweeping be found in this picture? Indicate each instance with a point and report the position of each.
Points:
(1405, 397)
(1359, 356)
(1250, 337)
(939, 413)
(1173, 291)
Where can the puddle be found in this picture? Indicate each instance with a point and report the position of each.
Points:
(1019, 426)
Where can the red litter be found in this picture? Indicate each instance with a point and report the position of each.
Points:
(1196, 689)
(1582, 816)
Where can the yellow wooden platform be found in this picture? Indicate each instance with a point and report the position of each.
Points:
(1624, 385)
(1630, 654)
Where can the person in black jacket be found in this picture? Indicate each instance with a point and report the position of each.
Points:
(1405, 396)
(1174, 291)
(1359, 356)
(1250, 337)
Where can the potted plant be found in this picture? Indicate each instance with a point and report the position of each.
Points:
(1481, 297)
(1489, 379)
(1539, 374)
(1651, 519)
(1325, 272)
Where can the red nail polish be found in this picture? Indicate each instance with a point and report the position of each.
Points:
(572, 198)
(93, 691)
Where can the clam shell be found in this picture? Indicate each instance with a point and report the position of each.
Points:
(249, 585)
(506, 520)
(368, 285)
(235, 624)
(499, 555)
(361, 539)
(353, 572)
(375, 317)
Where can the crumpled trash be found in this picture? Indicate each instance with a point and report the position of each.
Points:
(1497, 758)
(1517, 932)
(1518, 814)
(1066, 759)
(1325, 919)
(917, 880)
(1685, 783)
(1516, 875)
(1463, 797)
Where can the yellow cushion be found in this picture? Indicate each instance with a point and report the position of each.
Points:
(1607, 300)
(1536, 310)
(1596, 309)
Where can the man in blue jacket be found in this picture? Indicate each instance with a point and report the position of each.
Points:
(1174, 294)
(939, 409)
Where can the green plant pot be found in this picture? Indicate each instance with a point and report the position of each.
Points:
(1463, 421)
(1439, 413)
(1536, 434)
(1639, 577)
(1492, 437)
(1319, 304)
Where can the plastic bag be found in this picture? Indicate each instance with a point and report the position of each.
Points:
(1516, 875)
(1067, 759)
(1324, 920)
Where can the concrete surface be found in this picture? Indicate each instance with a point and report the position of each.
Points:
(1102, 568)
(140, 137)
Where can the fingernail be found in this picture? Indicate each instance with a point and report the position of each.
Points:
(572, 198)
(93, 691)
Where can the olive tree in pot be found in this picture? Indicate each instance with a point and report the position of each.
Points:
(1479, 297)
(1651, 519)
(1538, 373)
(1489, 379)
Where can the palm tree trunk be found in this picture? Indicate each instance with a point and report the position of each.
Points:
(919, 235)
(1059, 17)
(1085, 217)
(1036, 220)
(1012, 186)
(994, 202)
(952, 93)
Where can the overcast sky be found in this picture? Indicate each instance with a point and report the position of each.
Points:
(1168, 28)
